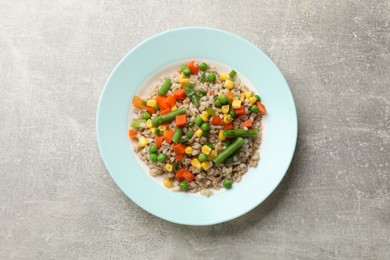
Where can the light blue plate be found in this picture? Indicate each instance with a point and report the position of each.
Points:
(191, 43)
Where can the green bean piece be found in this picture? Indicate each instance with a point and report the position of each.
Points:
(258, 98)
(202, 78)
(138, 123)
(232, 74)
(165, 87)
(229, 150)
(158, 120)
(240, 132)
(177, 135)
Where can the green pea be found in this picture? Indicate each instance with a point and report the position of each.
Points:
(161, 157)
(232, 113)
(146, 115)
(186, 71)
(183, 185)
(198, 121)
(203, 66)
(258, 98)
(254, 109)
(227, 184)
(183, 67)
(190, 133)
(223, 98)
(205, 127)
(218, 103)
(153, 148)
(211, 77)
(202, 157)
(153, 157)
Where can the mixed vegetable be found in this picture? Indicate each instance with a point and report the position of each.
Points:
(159, 113)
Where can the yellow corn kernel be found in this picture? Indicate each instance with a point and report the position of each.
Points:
(153, 130)
(204, 116)
(206, 149)
(174, 108)
(142, 141)
(229, 84)
(235, 97)
(225, 109)
(242, 97)
(188, 150)
(196, 163)
(236, 104)
(227, 119)
(199, 132)
(213, 154)
(162, 127)
(221, 136)
(167, 183)
(184, 82)
(206, 165)
(151, 102)
(223, 76)
(252, 100)
(182, 76)
(149, 123)
(247, 94)
(168, 167)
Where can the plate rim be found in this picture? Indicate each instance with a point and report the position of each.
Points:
(294, 133)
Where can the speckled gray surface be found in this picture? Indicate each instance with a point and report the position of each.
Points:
(57, 201)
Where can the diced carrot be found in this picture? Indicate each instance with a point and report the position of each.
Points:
(228, 126)
(165, 111)
(240, 111)
(159, 140)
(211, 93)
(178, 148)
(168, 136)
(162, 102)
(180, 94)
(138, 102)
(216, 120)
(261, 107)
(150, 110)
(191, 65)
(132, 134)
(179, 157)
(171, 100)
(188, 176)
(181, 120)
(180, 173)
(247, 124)
(179, 71)
(230, 95)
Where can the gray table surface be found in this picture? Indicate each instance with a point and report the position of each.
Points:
(57, 201)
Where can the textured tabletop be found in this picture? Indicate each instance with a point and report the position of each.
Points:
(57, 200)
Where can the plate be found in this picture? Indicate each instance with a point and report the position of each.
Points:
(196, 43)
